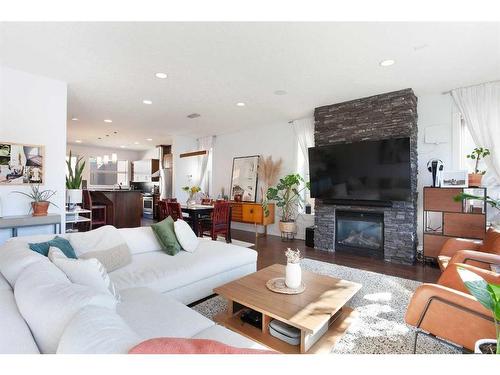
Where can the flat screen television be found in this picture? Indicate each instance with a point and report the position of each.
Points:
(368, 171)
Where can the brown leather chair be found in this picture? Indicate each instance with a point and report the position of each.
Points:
(490, 245)
(447, 311)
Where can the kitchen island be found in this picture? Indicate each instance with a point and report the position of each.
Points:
(123, 207)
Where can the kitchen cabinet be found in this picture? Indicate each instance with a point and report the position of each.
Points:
(143, 170)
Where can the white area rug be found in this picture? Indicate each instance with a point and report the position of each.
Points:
(381, 304)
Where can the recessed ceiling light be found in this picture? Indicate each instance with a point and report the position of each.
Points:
(388, 62)
(74, 119)
(193, 115)
(122, 146)
(108, 120)
(240, 104)
(78, 141)
(136, 143)
(161, 75)
(147, 101)
(149, 139)
(280, 92)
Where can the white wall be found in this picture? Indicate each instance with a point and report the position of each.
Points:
(33, 111)
(277, 140)
(185, 170)
(89, 151)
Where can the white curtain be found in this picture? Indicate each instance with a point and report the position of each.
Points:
(204, 167)
(304, 131)
(480, 107)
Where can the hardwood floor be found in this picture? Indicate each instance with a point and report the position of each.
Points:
(271, 250)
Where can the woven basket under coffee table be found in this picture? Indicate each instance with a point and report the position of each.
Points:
(319, 312)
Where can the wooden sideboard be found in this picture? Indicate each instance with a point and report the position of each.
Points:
(252, 213)
(456, 221)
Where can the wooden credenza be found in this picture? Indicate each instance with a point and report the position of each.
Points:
(455, 220)
(252, 213)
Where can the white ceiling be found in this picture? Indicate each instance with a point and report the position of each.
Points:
(110, 67)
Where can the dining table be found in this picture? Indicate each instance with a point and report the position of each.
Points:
(198, 212)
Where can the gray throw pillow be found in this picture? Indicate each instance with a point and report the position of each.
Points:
(112, 259)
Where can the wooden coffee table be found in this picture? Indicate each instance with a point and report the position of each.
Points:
(319, 312)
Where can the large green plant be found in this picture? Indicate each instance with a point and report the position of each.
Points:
(487, 294)
(74, 177)
(495, 203)
(287, 195)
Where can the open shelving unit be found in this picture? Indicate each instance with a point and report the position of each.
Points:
(77, 216)
(444, 218)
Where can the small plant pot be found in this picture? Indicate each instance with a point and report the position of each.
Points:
(485, 346)
(288, 226)
(40, 208)
(475, 179)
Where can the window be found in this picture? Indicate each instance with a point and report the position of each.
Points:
(108, 174)
(303, 170)
(466, 146)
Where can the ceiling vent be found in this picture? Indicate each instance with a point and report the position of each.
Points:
(194, 115)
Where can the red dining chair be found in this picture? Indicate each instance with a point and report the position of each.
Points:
(220, 222)
(162, 210)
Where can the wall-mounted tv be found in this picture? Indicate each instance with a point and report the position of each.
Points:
(373, 171)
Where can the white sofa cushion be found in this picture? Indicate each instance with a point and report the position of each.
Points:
(103, 238)
(15, 256)
(48, 301)
(185, 235)
(15, 335)
(140, 240)
(97, 330)
(151, 315)
(163, 273)
(88, 272)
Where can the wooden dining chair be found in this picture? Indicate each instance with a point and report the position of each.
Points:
(219, 223)
(98, 210)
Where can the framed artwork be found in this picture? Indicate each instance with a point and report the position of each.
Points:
(454, 179)
(244, 178)
(21, 164)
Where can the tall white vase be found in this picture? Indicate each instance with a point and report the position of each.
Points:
(293, 275)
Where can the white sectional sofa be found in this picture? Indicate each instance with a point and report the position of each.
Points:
(42, 311)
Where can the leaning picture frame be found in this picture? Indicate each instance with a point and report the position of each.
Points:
(454, 179)
(244, 178)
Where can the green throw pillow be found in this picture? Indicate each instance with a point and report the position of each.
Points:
(59, 242)
(165, 233)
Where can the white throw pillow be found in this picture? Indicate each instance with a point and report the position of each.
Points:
(185, 235)
(112, 259)
(140, 240)
(89, 272)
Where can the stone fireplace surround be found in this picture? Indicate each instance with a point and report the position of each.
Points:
(389, 115)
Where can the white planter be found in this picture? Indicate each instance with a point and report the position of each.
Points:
(483, 341)
(73, 196)
(293, 275)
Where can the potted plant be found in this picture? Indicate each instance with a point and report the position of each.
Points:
(40, 199)
(192, 191)
(74, 181)
(477, 154)
(488, 295)
(287, 195)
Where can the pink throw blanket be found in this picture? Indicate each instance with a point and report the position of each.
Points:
(168, 345)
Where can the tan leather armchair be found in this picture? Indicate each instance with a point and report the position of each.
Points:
(490, 245)
(446, 311)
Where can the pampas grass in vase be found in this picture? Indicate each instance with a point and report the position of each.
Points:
(269, 170)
